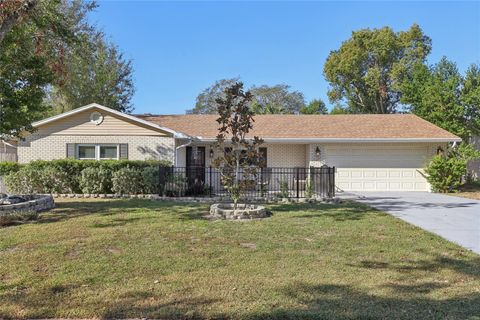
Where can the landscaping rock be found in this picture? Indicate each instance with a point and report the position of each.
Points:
(243, 211)
(12, 200)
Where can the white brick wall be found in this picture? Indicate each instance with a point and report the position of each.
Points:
(50, 147)
(286, 155)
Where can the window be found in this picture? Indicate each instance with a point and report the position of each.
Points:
(97, 151)
(86, 152)
(108, 152)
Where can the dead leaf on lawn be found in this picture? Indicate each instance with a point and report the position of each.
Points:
(252, 246)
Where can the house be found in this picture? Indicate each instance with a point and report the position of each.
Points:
(370, 152)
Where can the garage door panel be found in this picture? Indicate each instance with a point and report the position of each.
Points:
(357, 179)
(369, 174)
(394, 174)
(369, 167)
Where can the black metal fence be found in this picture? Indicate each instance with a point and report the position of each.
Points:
(265, 183)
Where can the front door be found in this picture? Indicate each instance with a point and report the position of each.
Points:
(195, 169)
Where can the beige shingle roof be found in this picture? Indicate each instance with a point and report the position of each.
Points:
(371, 126)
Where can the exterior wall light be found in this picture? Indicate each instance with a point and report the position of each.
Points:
(439, 150)
(211, 153)
(317, 151)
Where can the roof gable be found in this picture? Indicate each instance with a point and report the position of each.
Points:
(48, 122)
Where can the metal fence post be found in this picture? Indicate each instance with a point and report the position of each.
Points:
(210, 180)
(333, 181)
(298, 182)
(161, 179)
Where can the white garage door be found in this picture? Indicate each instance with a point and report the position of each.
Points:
(386, 168)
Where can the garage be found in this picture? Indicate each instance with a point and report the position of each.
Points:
(374, 167)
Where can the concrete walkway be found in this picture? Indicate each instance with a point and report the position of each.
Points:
(453, 218)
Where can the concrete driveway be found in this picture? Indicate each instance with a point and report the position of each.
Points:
(453, 218)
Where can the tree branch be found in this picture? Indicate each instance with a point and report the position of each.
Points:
(9, 21)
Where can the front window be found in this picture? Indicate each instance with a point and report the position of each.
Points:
(86, 152)
(108, 152)
(97, 152)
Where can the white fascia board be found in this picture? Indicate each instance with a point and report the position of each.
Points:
(115, 112)
(347, 140)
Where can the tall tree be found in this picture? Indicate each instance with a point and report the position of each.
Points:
(441, 95)
(278, 99)
(23, 77)
(96, 71)
(367, 70)
(34, 35)
(316, 106)
(206, 102)
(12, 12)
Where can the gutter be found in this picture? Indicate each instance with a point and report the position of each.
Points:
(345, 140)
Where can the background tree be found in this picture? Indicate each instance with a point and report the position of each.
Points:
(338, 110)
(96, 71)
(206, 102)
(316, 106)
(441, 95)
(278, 99)
(239, 164)
(266, 99)
(365, 73)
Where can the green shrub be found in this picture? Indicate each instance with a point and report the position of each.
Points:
(284, 193)
(309, 188)
(175, 184)
(65, 175)
(55, 180)
(127, 181)
(150, 179)
(95, 180)
(27, 180)
(7, 167)
(447, 172)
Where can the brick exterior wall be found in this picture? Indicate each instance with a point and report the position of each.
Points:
(50, 147)
(286, 155)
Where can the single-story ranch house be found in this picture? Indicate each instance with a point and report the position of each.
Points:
(370, 152)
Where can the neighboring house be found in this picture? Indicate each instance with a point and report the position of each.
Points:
(370, 152)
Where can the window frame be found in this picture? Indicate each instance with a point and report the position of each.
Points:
(97, 147)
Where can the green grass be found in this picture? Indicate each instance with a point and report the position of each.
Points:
(139, 258)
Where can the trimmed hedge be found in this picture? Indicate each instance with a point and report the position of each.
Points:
(7, 167)
(81, 176)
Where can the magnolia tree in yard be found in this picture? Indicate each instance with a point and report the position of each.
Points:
(239, 156)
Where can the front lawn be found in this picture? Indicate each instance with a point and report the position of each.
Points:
(138, 258)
